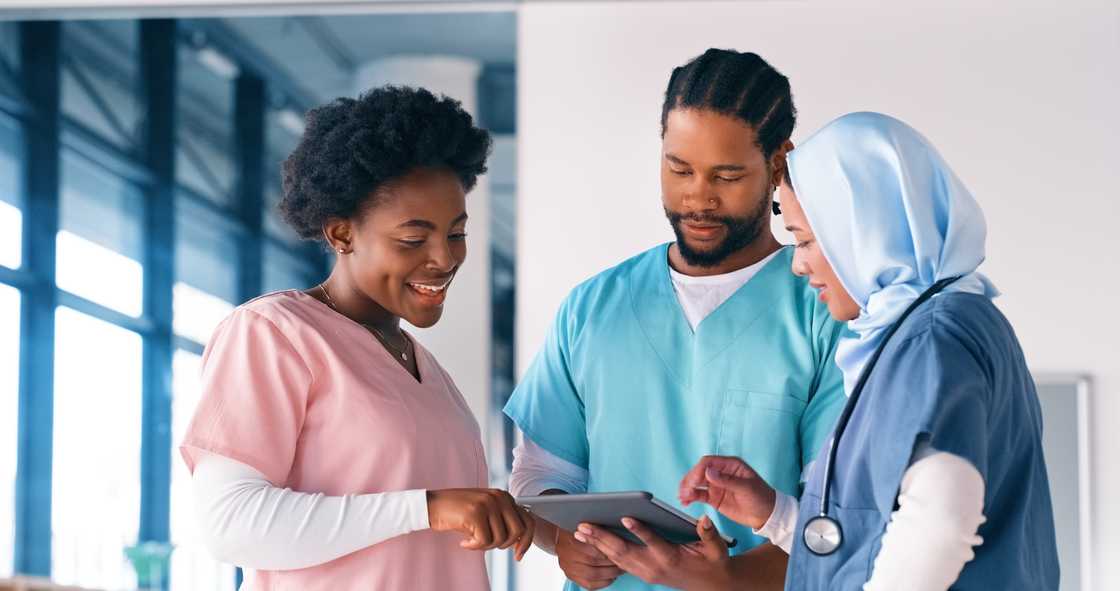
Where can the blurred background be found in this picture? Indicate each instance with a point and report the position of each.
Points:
(140, 145)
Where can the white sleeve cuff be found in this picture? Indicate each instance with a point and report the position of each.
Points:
(779, 529)
(535, 470)
(415, 503)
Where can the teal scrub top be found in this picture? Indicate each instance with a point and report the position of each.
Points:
(623, 387)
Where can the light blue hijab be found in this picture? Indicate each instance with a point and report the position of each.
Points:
(891, 218)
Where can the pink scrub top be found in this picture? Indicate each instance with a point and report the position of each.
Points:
(311, 400)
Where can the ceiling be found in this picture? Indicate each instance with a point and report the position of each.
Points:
(320, 53)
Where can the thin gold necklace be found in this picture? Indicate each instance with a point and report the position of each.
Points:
(402, 353)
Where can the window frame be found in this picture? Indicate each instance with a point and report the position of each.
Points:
(47, 132)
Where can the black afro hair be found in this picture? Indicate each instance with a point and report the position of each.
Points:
(353, 148)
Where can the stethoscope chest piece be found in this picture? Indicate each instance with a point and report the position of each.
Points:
(822, 535)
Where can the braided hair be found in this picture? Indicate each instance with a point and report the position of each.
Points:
(741, 85)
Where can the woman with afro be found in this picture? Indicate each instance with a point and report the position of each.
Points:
(330, 450)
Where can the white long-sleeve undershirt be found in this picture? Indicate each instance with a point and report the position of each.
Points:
(927, 543)
(247, 521)
(929, 538)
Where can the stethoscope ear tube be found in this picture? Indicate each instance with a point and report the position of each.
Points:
(822, 534)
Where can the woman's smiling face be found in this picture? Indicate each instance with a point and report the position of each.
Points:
(409, 243)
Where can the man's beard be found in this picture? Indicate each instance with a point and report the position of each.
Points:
(740, 232)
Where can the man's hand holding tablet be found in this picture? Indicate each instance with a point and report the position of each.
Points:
(637, 533)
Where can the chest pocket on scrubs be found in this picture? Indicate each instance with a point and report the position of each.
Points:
(755, 424)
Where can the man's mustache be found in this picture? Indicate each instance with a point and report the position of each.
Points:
(701, 219)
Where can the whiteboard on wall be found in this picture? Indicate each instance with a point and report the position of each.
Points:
(1065, 442)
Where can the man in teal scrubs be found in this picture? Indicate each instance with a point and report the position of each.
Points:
(707, 345)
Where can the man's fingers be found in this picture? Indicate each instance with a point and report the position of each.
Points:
(711, 544)
(612, 546)
(596, 574)
(654, 542)
(589, 554)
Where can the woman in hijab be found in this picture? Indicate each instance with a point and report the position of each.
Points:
(934, 476)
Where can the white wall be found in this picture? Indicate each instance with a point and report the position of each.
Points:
(1021, 96)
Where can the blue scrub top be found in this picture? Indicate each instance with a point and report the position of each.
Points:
(953, 373)
(623, 388)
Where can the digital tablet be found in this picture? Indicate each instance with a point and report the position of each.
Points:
(608, 509)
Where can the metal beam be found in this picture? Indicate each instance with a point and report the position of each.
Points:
(12, 106)
(328, 42)
(195, 109)
(249, 129)
(93, 147)
(189, 346)
(74, 68)
(40, 71)
(141, 325)
(15, 278)
(158, 66)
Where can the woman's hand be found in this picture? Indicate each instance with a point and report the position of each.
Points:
(731, 487)
(487, 518)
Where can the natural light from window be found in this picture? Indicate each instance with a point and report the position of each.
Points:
(11, 235)
(96, 469)
(197, 313)
(192, 567)
(9, 420)
(100, 274)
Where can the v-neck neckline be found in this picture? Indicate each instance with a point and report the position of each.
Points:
(765, 262)
(380, 346)
(663, 321)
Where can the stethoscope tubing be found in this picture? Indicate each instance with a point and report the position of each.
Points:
(849, 408)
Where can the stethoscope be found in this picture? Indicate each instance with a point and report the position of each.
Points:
(822, 534)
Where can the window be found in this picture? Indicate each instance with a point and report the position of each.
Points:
(100, 237)
(204, 150)
(198, 313)
(280, 140)
(11, 193)
(9, 420)
(274, 224)
(96, 468)
(9, 59)
(99, 387)
(282, 270)
(99, 87)
(191, 565)
(206, 270)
